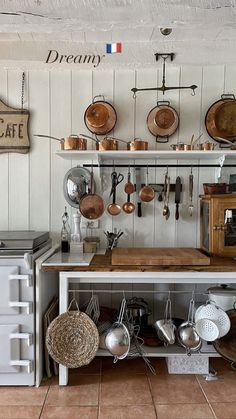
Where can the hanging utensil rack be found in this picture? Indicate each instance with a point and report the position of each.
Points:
(157, 165)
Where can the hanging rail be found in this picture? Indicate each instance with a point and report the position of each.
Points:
(157, 165)
(138, 291)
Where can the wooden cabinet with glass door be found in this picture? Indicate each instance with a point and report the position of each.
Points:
(218, 224)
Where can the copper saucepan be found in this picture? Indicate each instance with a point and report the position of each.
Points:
(106, 144)
(207, 146)
(100, 116)
(72, 142)
(137, 145)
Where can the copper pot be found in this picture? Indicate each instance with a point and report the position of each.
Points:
(72, 142)
(220, 119)
(107, 144)
(163, 120)
(178, 146)
(100, 117)
(137, 144)
(206, 146)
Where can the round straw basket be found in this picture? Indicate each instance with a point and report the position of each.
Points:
(72, 339)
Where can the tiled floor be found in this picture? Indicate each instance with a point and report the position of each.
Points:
(125, 390)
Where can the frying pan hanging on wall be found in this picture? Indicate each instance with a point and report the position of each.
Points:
(220, 119)
(100, 116)
(162, 121)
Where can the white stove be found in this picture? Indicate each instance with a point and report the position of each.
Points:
(18, 252)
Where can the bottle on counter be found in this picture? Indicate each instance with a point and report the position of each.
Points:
(65, 233)
(76, 242)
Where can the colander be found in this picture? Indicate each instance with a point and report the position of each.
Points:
(207, 329)
(213, 312)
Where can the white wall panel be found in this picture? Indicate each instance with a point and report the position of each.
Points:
(18, 164)
(39, 200)
(4, 159)
(60, 126)
(31, 185)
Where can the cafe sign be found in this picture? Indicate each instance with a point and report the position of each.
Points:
(13, 129)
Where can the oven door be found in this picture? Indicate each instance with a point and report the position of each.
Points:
(16, 323)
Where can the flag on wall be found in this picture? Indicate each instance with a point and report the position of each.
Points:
(113, 48)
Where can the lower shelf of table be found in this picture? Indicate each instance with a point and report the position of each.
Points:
(171, 350)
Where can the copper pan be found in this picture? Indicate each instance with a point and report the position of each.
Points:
(220, 119)
(72, 142)
(163, 120)
(100, 116)
(91, 205)
(137, 145)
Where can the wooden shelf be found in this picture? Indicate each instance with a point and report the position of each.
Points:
(149, 154)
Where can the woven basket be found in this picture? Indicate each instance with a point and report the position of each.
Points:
(72, 339)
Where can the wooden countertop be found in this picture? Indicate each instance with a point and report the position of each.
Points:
(102, 263)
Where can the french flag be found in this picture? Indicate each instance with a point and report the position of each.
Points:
(113, 48)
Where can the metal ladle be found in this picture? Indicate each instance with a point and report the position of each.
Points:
(166, 209)
(113, 208)
(129, 186)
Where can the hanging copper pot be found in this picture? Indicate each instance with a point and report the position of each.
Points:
(163, 120)
(100, 117)
(220, 119)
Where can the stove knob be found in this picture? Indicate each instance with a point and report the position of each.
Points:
(2, 244)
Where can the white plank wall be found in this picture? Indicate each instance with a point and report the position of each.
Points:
(31, 186)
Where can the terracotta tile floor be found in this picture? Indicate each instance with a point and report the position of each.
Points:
(125, 390)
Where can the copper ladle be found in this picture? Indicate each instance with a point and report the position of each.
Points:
(115, 209)
(147, 194)
(129, 187)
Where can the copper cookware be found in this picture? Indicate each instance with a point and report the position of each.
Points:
(147, 193)
(72, 142)
(220, 120)
(100, 116)
(226, 346)
(207, 146)
(137, 145)
(163, 120)
(91, 205)
(114, 208)
(128, 206)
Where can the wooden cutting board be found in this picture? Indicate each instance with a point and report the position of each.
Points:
(159, 256)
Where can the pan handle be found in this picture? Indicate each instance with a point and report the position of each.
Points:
(98, 99)
(165, 139)
(163, 103)
(228, 96)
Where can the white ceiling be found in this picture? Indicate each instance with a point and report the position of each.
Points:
(204, 32)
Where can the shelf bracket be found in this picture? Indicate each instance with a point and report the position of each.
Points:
(221, 164)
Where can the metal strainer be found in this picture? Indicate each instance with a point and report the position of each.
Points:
(186, 333)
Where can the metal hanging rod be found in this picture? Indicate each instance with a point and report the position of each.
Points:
(138, 291)
(157, 165)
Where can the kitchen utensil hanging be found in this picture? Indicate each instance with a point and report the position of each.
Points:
(163, 87)
(91, 205)
(100, 116)
(114, 208)
(72, 338)
(162, 121)
(220, 119)
(76, 184)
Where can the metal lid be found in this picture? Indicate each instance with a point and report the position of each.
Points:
(22, 240)
(222, 290)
